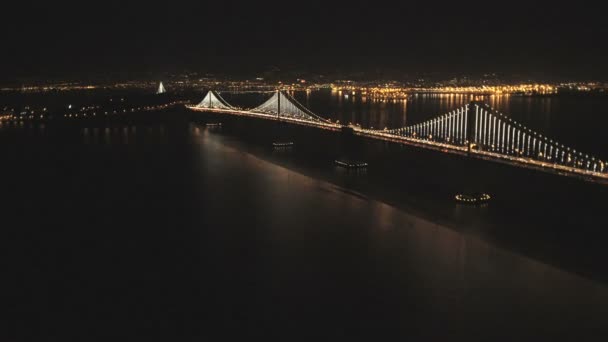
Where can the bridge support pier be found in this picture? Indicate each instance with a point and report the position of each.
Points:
(350, 151)
(347, 142)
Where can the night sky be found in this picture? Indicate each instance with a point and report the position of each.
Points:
(53, 38)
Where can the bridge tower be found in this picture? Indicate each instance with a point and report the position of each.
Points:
(161, 89)
(283, 139)
(279, 104)
(472, 116)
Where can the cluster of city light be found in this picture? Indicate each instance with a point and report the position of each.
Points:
(24, 115)
(403, 92)
(388, 90)
(528, 89)
(52, 87)
(123, 111)
(30, 113)
(83, 112)
(372, 92)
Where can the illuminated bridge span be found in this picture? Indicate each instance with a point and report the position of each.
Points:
(475, 129)
(281, 107)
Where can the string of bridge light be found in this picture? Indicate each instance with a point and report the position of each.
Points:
(267, 106)
(493, 132)
(304, 109)
(496, 132)
(221, 99)
(450, 127)
(288, 107)
(211, 100)
(292, 109)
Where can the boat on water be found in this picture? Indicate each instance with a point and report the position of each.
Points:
(350, 164)
(474, 198)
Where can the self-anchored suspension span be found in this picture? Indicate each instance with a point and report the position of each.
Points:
(497, 133)
(484, 130)
(475, 128)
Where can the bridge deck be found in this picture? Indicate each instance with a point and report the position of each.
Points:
(490, 156)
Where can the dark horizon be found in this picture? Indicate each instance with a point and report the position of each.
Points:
(51, 40)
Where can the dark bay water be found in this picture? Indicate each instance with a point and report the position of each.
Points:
(161, 227)
(157, 226)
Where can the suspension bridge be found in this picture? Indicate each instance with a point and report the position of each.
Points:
(474, 130)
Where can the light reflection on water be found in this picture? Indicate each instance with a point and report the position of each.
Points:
(394, 261)
(273, 244)
(122, 134)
